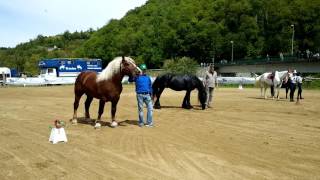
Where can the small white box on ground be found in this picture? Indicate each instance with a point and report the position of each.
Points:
(57, 135)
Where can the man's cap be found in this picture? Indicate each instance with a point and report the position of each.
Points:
(295, 71)
(143, 66)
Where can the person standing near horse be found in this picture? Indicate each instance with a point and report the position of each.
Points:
(299, 84)
(144, 93)
(292, 85)
(210, 82)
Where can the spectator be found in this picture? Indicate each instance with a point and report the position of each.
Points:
(281, 56)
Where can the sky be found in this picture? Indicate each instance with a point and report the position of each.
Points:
(22, 20)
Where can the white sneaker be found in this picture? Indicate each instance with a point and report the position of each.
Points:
(149, 125)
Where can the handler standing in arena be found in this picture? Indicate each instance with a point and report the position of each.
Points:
(299, 83)
(210, 82)
(292, 85)
(144, 93)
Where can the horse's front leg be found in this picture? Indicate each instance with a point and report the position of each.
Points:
(265, 94)
(278, 93)
(101, 108)
(113, 112)
(87, 106)
(186, 101)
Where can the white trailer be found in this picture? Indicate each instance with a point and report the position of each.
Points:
(4, 74)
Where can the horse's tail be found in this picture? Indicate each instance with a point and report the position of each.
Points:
(78, 83)
(81, 81)
(257, 81)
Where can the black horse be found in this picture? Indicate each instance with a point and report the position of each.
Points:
(179, 83)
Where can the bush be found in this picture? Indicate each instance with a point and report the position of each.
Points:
(182, 65)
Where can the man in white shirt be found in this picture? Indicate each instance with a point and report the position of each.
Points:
(210, 82)
(292, 85)
(299, 84)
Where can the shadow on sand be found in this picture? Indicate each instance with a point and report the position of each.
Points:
(91, 122)
(195, 107)
(269, 98)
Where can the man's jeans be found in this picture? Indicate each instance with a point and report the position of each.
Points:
(210, 91)
(145, 98)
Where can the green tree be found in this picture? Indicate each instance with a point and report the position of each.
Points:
(182, 65)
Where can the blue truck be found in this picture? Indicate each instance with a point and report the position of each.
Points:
(68, 67)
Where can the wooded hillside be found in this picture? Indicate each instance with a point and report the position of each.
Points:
(203, 29)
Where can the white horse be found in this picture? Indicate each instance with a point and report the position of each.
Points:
(269, 79)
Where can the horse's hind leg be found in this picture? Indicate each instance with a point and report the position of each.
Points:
(265, 95)
(157, 103)
(87, 106)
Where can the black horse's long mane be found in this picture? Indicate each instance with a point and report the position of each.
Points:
(202, 94)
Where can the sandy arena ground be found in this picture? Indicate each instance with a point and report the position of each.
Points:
(242, 137)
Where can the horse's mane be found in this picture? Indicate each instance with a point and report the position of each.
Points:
(202, 93)
(112, 68)
(200, 86)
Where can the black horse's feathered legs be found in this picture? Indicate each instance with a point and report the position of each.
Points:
(157, 103)
(186, 101)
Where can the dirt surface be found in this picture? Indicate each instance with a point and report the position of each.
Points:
(241, 137)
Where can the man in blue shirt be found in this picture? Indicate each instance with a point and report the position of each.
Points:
(144, 92)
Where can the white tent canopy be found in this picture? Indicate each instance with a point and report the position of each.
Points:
(5, 70)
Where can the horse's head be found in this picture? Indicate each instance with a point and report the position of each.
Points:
(129, 67)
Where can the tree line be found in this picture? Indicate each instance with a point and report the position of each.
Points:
(25, 56)
(201, 30)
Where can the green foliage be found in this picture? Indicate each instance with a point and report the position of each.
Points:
(315, 84)
(201, 30)
(25, 57)
(182, 65)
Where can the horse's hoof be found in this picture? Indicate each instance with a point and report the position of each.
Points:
(97, 126)
(187, 107)
(74, 121)
(114, 124)
(157, 107)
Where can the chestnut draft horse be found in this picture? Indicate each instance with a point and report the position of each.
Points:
(105, 86)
